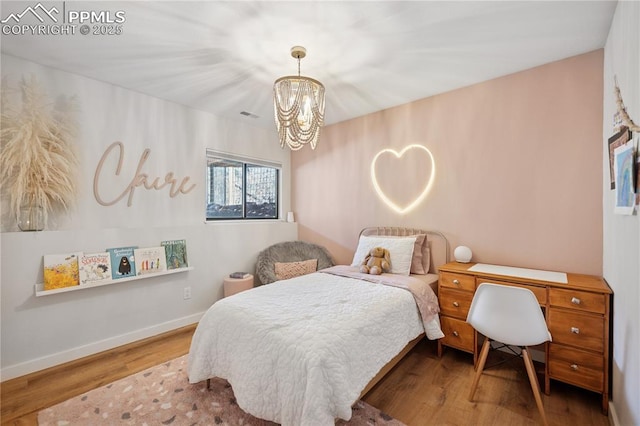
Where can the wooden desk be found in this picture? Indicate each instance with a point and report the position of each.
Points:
(577, 314)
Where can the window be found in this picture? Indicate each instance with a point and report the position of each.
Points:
(241, 188)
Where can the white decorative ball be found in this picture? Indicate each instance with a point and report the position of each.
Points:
(462, 254)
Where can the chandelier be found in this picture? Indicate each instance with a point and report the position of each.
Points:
(299, 107)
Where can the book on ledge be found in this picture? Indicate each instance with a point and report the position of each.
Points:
(240, 275)
(61, 270)
(150, 260)
(176, 253)
(122, 262)
(95, 267)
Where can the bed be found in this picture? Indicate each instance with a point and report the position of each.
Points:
(303, 350)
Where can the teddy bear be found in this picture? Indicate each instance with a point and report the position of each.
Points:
(376, 262)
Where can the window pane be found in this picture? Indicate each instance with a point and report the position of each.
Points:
(239, 189)
(224, 197)
(262, 192)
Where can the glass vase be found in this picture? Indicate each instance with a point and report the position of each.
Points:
(31, 218)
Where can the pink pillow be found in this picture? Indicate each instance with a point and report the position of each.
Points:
(286, 270)
(421, 261)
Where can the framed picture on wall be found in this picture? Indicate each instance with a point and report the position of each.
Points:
(615, 141)
(638, 172)
(624, 165)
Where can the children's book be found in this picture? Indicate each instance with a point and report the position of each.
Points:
(150, 260)
(61, 270)
(176, 253)
(95, 267)
(239, 275)
(122, 262)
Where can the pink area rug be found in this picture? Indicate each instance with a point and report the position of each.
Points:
(162, 395)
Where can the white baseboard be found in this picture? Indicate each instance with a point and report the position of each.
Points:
(17, 370)
(613, 415)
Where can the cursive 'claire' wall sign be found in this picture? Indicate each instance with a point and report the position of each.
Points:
(139, 179)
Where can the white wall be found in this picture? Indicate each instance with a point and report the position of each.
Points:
(37, 332)
(621, 251)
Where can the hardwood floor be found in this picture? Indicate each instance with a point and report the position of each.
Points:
(426, 390)
(421, 390)
(23, 397)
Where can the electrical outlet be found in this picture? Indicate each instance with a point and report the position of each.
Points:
(186, 293)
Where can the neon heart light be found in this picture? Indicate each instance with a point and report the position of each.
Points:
(425, 190)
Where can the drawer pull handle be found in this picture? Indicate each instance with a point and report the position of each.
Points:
(575, 301)
(575, 330)
(455, 333)
(456, 304)
(574, 367)
(456, 282)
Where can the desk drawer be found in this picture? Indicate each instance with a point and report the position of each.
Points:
(455, 303)
(577, 367)
(577, 329)
(458, 281)
(579, 300)
(457, 334)
(539, 292)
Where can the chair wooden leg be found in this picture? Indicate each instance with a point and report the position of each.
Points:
(534, 383)
(483, 358)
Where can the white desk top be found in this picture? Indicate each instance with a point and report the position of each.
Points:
(535, 274)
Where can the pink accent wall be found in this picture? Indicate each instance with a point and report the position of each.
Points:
(518, 170)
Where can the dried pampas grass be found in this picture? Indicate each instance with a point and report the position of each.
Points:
(38, 163)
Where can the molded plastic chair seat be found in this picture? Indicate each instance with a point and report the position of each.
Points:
(512, 316)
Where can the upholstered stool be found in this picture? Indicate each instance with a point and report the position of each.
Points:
(236, 285)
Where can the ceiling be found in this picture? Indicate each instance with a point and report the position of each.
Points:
(223, 56)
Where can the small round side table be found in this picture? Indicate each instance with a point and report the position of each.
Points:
(236, 285)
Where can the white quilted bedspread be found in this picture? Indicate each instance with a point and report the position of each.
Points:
(300, 351)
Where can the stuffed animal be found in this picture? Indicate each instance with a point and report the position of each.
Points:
(376, 262)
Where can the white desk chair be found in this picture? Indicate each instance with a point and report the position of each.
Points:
(512, 316)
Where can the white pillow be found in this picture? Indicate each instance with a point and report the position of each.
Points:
(400, 248)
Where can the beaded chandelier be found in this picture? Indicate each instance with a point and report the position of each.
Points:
(299, 107)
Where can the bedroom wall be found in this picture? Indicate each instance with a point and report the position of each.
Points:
(518, 170)
(621, 257)
(37, 332)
